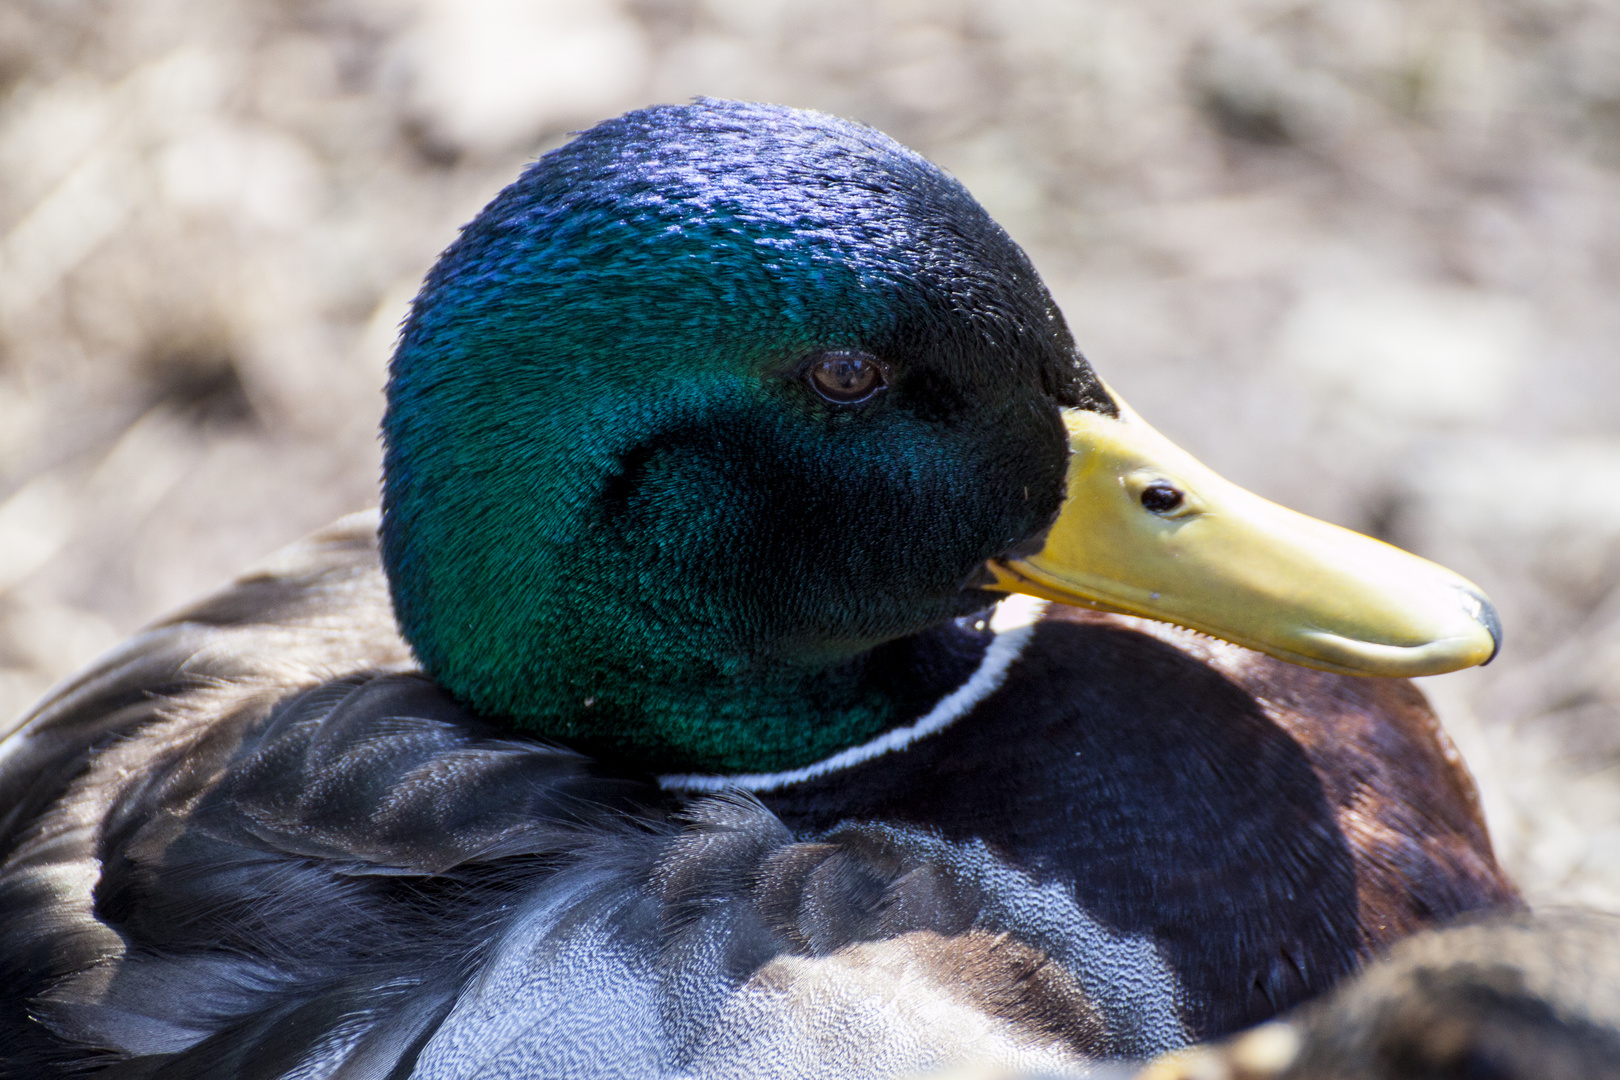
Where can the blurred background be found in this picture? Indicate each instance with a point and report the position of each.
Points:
(1362, 256)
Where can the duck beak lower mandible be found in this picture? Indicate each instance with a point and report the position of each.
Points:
(1146, 530)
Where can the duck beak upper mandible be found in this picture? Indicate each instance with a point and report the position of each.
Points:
(1147, 530)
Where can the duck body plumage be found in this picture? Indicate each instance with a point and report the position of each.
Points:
(257, 842)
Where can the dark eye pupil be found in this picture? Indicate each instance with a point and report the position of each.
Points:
(1160, 498)
(846, 377)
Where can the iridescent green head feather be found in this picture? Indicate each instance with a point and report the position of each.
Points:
(618, 509)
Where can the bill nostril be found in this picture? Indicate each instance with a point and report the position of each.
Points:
(1161, 498)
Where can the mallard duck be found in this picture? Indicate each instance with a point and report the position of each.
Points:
(1516, 996)
(780, 654)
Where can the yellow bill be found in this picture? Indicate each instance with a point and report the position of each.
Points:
(1147, 530)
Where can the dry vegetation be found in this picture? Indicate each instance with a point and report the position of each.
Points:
(1361, 255)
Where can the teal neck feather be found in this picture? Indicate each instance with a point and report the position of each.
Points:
(615, 512)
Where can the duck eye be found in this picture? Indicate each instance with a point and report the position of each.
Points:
(1160, 498)
(846, 377)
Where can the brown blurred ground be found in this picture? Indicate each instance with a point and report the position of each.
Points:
(1361, 255)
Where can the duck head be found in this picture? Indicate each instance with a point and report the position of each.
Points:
(719, 405)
